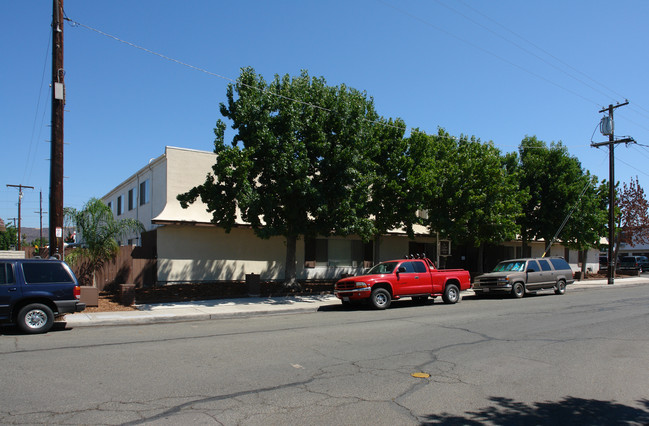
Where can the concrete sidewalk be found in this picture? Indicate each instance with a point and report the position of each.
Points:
(253, 306)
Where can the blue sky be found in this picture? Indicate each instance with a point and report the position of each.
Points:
(498, 70)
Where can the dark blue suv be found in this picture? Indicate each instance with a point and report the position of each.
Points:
(34, 291)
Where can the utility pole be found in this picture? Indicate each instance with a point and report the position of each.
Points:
(20, 199)
(40, 214)
(56, 148)
(609, 129)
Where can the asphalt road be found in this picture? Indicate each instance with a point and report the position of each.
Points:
(580, 358)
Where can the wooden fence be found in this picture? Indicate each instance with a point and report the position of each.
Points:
(132, 265)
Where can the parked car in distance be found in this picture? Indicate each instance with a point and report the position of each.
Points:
(520, 276)
(410, 277)
(34, 291)
(639, 263)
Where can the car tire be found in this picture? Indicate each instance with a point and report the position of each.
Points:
(35, 318)
(560, 287)
(518, 290)
(451, 294)
(381, 298)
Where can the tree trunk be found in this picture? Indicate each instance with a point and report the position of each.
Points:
(290, 266)
(616, 250)
(523, 244)
(377, 249)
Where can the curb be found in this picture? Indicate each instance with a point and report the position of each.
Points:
(241, 308)
(184, 313)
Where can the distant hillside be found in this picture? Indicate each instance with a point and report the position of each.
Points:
(32, 234)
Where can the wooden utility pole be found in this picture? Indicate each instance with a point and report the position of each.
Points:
(610, 272)
(40, 213)
(20, 199)
(56, 148)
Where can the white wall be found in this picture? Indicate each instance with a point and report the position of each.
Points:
(12, 254)
(175, 172)
(205, 253)
(154, 172)
(188, 253)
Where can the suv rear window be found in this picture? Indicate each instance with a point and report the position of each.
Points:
(559, 263)
(545, 266)
(46, 272)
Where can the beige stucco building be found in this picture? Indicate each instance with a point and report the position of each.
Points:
(189, 248)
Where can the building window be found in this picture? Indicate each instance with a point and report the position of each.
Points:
(423, 249)
(144, 192)
(110, 206)
(131, 199)
(120, 205)
(336, 253)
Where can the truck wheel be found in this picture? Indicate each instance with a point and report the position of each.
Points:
(560, 288)
(381, 298)
(451, 294)
(35, 318)
(518, 290)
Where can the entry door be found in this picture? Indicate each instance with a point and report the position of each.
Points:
(534, 275)
(415, 279)
(548, 275)
(8, 288)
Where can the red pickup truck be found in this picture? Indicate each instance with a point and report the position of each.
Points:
(410, 277)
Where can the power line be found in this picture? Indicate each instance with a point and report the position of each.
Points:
(543, 50)
(74, 23)
(38, 103)
(556, 67)
(203, 70)
(633, 167)
(633, 107)
(463, 40)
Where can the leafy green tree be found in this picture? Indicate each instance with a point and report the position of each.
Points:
(554, 181)
(8, 237)
(401, 172)
(99, 233)
(297, 164)
(476, 196)
(588, 218)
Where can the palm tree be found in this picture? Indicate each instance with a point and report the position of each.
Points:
(99, 232)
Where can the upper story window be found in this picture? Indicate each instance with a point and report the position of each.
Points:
(336, 253)
(131, 199)
(120, 205)
(144, 192)
(110, 206)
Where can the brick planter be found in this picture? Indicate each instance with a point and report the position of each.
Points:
(127, 294)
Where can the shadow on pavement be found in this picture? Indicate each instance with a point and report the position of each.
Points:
(568, 411)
